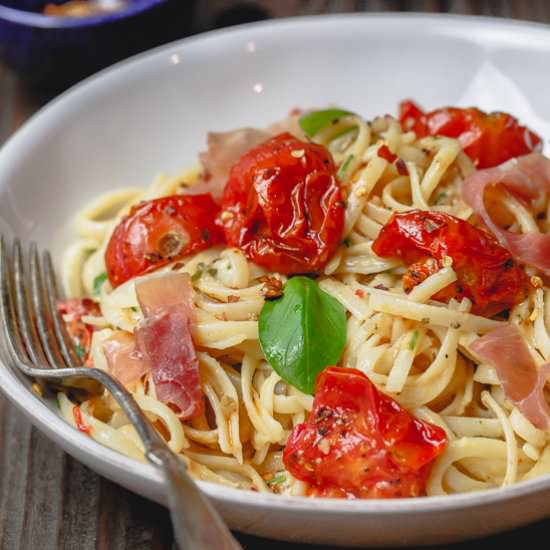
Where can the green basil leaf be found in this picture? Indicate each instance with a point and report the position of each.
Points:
(98, 283)
(302, 332)
(313, 123)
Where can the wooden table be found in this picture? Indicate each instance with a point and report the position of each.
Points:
(48, 501)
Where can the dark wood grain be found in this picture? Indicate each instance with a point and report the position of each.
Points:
(48, 501)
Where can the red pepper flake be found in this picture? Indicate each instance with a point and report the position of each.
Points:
(360, 293)
(79, 422)
(402, 167)
(385, 153)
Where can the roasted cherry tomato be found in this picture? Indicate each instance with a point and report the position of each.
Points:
(72, 311)
(486, 272)
(159, 231)
(360, 443)
(488, 139)
(283, 207)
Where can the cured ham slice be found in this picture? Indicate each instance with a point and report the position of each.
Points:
(165, 343)
(505, 349)
(124, 362)
(526, 177)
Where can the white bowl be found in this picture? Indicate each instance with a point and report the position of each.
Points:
(152, 113)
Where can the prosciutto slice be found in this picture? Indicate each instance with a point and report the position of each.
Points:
(505, 349)
(165, 343)
(123, 360)
(526, 177)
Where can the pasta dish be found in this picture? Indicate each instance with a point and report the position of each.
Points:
(330, 306)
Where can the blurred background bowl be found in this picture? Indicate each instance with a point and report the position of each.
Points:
(51, 52)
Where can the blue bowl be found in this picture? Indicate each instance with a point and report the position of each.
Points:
(54, 52)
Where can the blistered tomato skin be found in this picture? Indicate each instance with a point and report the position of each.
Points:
(159, 231)
(282, 206)
(360, 443)
(486, 272)
(489, 139)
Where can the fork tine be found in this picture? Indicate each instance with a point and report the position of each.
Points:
(52, 294)
(14, 347)
(57, 343)
(22, 338)
(65, 346)
(23, 310)
(42, 313)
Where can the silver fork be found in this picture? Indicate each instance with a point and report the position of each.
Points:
(37, 343)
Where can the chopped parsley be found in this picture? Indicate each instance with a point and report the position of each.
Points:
(277, 480)
(80, 351)
(198, 273)
(98, 283)
(344, 168)
(441, 197)
(414, 340)
(201, 269)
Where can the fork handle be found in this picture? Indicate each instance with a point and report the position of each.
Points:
(197, 525)
(201, 530)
